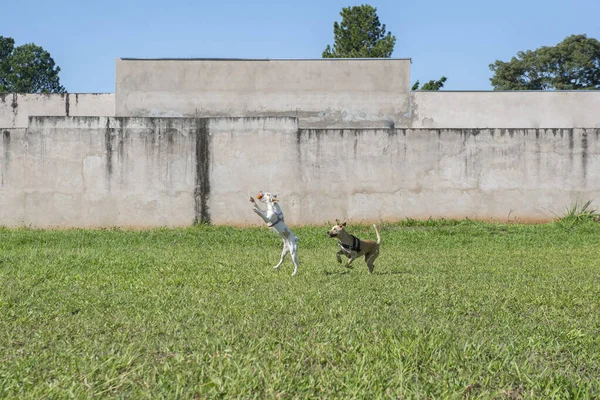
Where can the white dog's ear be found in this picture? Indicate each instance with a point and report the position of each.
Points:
(337, 221)
(344, 224)
(275, 195)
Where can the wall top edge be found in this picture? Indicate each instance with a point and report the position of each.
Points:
(333, 128)
(262, 59)
(75, 117)
(506, 91)
(55, 94)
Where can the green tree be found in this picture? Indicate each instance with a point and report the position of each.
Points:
(360, 35)
(431, 85)
(27, 69)
(573, 64)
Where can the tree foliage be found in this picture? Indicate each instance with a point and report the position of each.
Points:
(27, 69)
(360, 35)
(573, 64)
(431, 85)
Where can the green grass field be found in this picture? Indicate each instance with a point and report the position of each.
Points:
(453, 310)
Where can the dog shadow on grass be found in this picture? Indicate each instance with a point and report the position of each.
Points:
(402, 272)
(343, 272)
(375, 273)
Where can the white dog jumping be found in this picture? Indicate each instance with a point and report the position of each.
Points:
(273, 217)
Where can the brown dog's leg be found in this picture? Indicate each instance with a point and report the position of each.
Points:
(352, 258)
(370, 260)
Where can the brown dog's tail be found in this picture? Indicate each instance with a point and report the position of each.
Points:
(378, 235)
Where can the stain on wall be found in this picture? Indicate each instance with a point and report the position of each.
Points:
(202, 156)
(108, 144)
(67, 105)
(6, 143)
(6, 159)
(14, 104)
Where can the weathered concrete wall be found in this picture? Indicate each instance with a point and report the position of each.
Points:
(12, 175)
(329, 93)
(352, 93)
(374, 175)
(15, 109)
(142, 172)
(93, 172)
(516, 109)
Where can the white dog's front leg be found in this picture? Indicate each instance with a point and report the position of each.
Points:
(255, 203)
(261, 214)
(256, 208)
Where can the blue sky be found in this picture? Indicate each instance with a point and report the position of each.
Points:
(458, 39)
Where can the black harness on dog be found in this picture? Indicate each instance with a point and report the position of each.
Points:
(279, 219)
(355, 244)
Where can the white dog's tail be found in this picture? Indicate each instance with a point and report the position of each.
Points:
(378, 235)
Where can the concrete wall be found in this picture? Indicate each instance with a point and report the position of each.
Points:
(388, 175)
(334, 138)
(424, 110)
(517, 109)
(15, 109)
(143, 172)
(329, 93)
(321, 93)
(93, 172)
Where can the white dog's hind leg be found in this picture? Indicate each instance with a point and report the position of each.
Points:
(294, 251)
(283, 254)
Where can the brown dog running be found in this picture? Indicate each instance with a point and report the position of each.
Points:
(353, 248)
